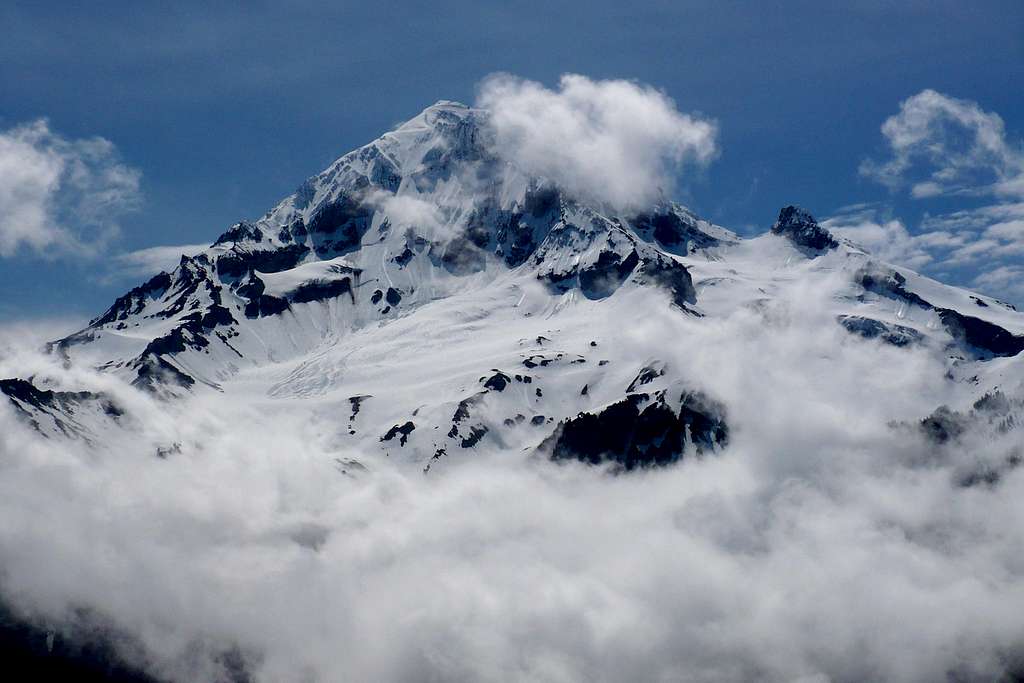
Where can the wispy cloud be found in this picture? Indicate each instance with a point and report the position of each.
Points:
(61, 196)
(889, 239)
(947, 147)
(1007, 279)
(152, 260)
(820, 526)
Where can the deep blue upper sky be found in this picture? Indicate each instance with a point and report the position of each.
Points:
(224, 111)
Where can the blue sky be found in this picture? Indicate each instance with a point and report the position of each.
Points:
(215, 114)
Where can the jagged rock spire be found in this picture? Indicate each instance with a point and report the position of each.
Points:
(799, 226)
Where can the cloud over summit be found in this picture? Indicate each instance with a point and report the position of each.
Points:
(616, 142)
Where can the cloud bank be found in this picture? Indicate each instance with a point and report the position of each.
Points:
(829, 542)
(60, 196)
(613, 142)
(825, 544)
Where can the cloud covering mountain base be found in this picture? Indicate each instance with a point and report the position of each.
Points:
(320, 448)
(828, 542)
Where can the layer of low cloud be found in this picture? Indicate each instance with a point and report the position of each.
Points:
(613, 142)
(823, 544)
(61, 196)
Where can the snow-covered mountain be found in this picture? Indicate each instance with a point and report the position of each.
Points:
(220, 477)
(434, 300)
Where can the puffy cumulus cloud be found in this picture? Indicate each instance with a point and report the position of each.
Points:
(614, 142)
(823, 544)
(60, 196)
(942, 145)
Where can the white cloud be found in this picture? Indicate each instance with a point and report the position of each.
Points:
(614, 142)
(820, 526)
(890, 240)
(957, 242)
(1008, 280)
(975, 218)
(60, 196)
(951, 146)
(407, 210)
(1008, 230)
(983, 249)
(943, 146)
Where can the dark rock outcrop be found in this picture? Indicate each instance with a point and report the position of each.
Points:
(31, 403)
(260, 304)
(986, 339)
(671, 275)
(241, 232)
(235, 264)
(460, 257)
(135, 300)
(497, 382)
(647, 374)
(799, 226)
(980, 338)
(888, 283)
(638, 432)
(338, 227)
(154, 372)
(321, 289)
(675, 232)
(869, 328)
(80, 650)
(402, 431)
(601, 278)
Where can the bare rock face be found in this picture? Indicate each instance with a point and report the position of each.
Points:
(641, 431)
(66, 413)
(799, 226)
(869, 328)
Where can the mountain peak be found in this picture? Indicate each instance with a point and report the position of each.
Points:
(441, 112)
(448, 104)
(798, 225)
